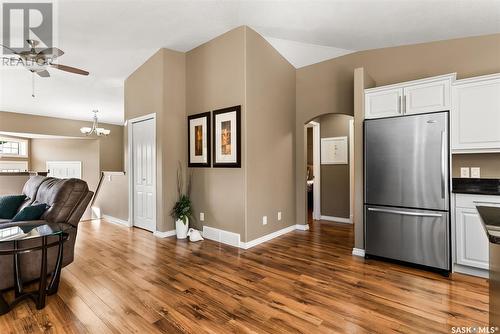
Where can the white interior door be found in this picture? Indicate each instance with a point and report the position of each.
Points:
(144, 188)
(64, 169)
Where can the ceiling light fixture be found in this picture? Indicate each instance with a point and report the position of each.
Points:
(95, 129)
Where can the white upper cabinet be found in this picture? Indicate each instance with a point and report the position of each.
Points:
(384, 103)
(412, 97)
(427, 97)
(476, 114)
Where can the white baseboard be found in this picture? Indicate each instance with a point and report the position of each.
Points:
(457, 268)
(358, 252)
(267, 237)
(337, 219)
(116, 221)
(234, 239)
(165, 234)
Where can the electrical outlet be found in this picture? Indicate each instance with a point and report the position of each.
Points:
(475, 172)
(464, 172)
(264, 220)
(202, 216)
(279, 215)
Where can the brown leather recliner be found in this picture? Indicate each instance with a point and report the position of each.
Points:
(67, 200)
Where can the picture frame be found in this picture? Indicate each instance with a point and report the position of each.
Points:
(227, 137)
(334, 151)
(199, 154)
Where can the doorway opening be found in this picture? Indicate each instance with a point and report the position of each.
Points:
(330, 168)
(142, 172)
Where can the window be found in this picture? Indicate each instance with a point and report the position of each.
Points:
(12, 147)
(13, 166)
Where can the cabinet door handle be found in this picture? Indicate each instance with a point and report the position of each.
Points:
(404, 104)
(443, 164)
(483, 202)
(400, 109)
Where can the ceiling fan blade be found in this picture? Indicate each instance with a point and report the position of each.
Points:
(6, 47)
(43, 74)
(51, 52)
(69, 69)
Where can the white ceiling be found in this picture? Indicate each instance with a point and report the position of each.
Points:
(111, 38)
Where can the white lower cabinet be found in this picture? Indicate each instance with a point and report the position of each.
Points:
(471, 242)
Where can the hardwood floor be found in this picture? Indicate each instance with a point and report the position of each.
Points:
(127, 281)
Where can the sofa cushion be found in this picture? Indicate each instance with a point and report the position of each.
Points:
(30, 189)
(62, 196)
(9, 205)
(32, 212)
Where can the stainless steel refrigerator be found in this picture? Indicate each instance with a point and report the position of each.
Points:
(407, 189)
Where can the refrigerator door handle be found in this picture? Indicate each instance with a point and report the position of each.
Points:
(406, 213)
(443, 164)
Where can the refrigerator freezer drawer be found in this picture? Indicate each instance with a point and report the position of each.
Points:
(415, 236)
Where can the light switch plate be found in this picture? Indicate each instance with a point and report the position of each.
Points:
(475, 172)
(202, 216)
(279, 215)
(464, 172)
(264, 220)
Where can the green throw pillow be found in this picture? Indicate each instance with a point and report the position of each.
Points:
(33, 212)
(9, 205)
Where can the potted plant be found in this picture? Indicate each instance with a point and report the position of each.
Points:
(182, 209)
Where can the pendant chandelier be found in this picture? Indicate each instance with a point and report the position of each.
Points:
(95, 129)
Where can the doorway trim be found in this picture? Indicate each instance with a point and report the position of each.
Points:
(351, 170)
(316, 168)
(130, 170)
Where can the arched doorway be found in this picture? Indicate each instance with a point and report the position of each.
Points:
(329, 173)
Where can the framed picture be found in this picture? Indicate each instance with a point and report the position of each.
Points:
(199, 140)
(227, 137)
(334, 151)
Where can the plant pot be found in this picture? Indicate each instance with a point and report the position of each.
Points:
(181, 229)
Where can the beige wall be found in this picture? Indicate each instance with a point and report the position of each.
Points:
(12, 184)
(241, 68)
(361, 81)
(335, 190)
(328, 87)
(236, 68)
(158, 87)
(215, 78)
(112, 199)
(488, 162)
(270, 123)
(84, 150)
(111, 147)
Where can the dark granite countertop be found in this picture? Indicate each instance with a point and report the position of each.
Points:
(476, 186)
(490, 217)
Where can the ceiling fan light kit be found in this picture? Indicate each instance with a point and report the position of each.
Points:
(95, 129)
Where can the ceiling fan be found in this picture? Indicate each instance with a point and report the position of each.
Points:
(37, 62)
